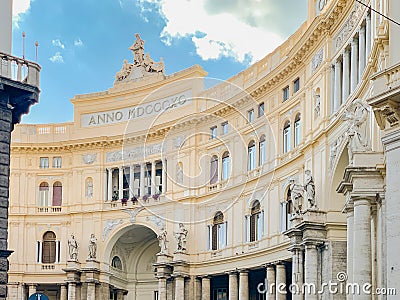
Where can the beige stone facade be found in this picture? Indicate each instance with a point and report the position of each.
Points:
(176, 191)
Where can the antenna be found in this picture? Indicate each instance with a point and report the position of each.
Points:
(23, 44)
(37, 48)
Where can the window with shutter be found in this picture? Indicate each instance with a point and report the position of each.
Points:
(57, 194)
(254, 221)
(49, 248)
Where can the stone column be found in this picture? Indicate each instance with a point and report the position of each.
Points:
(153, 177)
(40, 251)
(164, 176)
(297, 272)
(346, 75)
(332, 89)
(233, 286)
(109, 184)
(63, 292)
(120, 295)
(120, 182)
(91, 291)
(142, 170)
(362, 238)
(354, 65)
(280, 282)
(105, 193)
(31, 289)
(338, 85)
(243, 285)
(205, 288)
(361, 44)
(350, 238)
(179, 288)
(131, 180)
(311, 271)
(162, 288)
(271, 280)
(368, 38)
(72, 291)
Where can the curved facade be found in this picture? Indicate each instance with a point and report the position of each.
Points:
(162, 188)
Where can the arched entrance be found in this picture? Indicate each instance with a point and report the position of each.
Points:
(133, 253)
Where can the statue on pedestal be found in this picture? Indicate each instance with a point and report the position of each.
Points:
(309, 187)
(162, 241)
(138, 51)
(181, 238)
(296, 196)
(73, 248)
(92, 247)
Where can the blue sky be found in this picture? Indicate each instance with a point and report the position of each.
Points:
(82, 43)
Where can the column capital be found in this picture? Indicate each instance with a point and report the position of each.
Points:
(243, 271)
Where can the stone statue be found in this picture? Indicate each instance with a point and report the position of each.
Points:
(73, 248)
(92, 247)
(317, 104)
(296, 196)
(138, 51)
(124, 72)
(309, 187)
(89, 188)
(179, 174)
(162, 241)
(356, 117)
(181, 238)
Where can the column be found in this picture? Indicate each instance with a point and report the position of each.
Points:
(271, 280)
(105, 187)
(368, 39)
(280, 282)
(162, 288)
(91, 291)
(350, 237)
(40, 251)
(346, 75)
(131, 180)
(120, 295)
(63, 292)
(142, 170)
(179, 288)
(297, 273)
(338, 85)
(153, 177)
(72, 291)
(31, 289)
(311, 271)
(109, 184)
(205, 288)
(120, 182)
(164, 176)
(354, 65)
(233, 286)
(361, 45)
(332, 89)
(197, 287)
(362, 238)
(243, 285)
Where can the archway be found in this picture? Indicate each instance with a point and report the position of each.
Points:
(133, 253)
(337, 201)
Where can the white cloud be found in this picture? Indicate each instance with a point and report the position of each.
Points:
(215, 34)
(57, 43)
(78, 42)
(20, 7)
(57, 58)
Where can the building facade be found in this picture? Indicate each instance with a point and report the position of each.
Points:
(269, 185)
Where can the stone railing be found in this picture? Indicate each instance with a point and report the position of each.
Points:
(19, 69)
(49, 209)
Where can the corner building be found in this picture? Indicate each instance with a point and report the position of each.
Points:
(187, 192)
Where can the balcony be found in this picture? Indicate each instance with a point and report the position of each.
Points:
(49, 209)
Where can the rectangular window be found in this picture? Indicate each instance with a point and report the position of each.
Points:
(286, 93)
(250, 115)
(296, 85)
(224, 127)
(213, 132)
(261, 109)
(44, 162)
(57, 162)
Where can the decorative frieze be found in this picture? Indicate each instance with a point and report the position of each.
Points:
(89, 159)
(317, 60)
(109, 226)
(137, 153)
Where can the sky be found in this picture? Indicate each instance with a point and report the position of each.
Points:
(82, 43)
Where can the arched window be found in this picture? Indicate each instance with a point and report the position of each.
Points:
(254, 223)
(226, 165)
(49, 248)
(286, 137)
(217, 235)
(44, 194)
(297, 130)
(57, 194)
(116, 263)
(251, 152)
(214, 170)
(262, 150)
